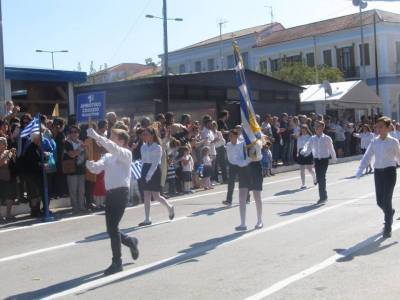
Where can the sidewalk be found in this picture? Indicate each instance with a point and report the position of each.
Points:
(65, 202)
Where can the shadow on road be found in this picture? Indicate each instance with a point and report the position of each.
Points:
(289, 192)
(300, 210)
(210, 211)
(367, 247)
(190, 254)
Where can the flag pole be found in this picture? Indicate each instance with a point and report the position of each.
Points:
(47, 217)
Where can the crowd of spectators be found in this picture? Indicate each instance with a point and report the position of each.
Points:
(194, 154)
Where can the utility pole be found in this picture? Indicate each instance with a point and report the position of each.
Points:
(221, 55)
(270, 12)
(2, 72)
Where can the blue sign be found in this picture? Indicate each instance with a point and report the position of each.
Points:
(90, 106)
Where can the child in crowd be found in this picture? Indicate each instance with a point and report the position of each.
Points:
(7, 193)
(171, 176)
(207, 168)
(267, 159)
(187, 169)
(386, 151)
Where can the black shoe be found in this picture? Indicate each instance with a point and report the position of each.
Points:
(393, 212)
(144, 224)
(227, 203)
(134, 248)
(322, 201)
(172, 213)
(387, 232)
(114, 268)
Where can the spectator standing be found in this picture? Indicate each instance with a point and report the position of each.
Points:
(7, 188)
(220, 161)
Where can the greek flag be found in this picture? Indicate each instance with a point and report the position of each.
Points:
(136, 169)
(32, 127)
(251, 129)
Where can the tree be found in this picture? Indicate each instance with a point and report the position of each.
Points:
(301, 74)
(149, 62)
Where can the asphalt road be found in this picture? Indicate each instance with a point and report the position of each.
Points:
(305, 251)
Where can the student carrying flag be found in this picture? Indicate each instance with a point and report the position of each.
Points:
(250, 177)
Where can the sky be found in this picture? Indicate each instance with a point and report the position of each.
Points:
(116, 31)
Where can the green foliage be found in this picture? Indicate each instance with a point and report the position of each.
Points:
(301, 74)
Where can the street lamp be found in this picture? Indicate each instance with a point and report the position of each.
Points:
(52, 53)
(362, 4)
(165, 65)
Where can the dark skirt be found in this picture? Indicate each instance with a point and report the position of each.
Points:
(251, 177)
(207, 171)
(154, 185)
(186, 176)
(5, 192)
(305, 160)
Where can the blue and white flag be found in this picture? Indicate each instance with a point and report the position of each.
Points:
(251, 129)
(32, 127)
(136, 169)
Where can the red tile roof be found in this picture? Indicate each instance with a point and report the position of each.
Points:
(327, 26)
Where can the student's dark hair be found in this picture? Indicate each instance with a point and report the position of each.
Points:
(385, 120)
(102, 124)
(234, 132)
(121, 135)
(154, 135)
(160, 117)
(367, 126)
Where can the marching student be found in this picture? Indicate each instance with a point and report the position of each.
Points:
(305, 162)
(366, 137)
(386, 151)
(250, 179)
(116, 165)
(321, 147)
(151, 152)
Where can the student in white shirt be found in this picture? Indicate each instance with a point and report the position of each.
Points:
(386, 151)
(251, 179)
(207, 168)
(366, 137)
(117, 167)
(321, 147)
(151, 153)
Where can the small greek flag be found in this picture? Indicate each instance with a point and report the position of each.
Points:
(136, 169)
(32, 127)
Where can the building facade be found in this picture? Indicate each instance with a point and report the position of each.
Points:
(334, 42)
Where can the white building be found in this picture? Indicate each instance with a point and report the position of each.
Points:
(334, 42)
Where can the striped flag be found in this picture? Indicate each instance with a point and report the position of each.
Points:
(251, 129)
(136, 169)
(32, 127)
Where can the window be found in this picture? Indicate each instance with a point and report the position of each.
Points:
(275, 64)
(231, 62)
(182, 69)
(310, 59)
(327, 58)
(197, 66)
(293, 59)
(211, 64)
(263, 66)
(398, 51)
(366, 55)
(345, 61)
(245, 56)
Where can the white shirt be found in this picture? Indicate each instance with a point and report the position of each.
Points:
(221, 141)
(116, 165)
(339, 133)
(255, 152)
(207, 160)
(386, 153)
(208, 138)
(151, 154)
(236, 153)
(189, 166)
(395, 134)
(302, 141)
(366, 138)
(321, 147)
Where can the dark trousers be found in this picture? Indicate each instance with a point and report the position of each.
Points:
(171, 186)
(233, 174)
(89, 188)
(220, 163)
(116, 201)
(385, 181)
(321, 166)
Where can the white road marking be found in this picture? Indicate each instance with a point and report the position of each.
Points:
(76, 243)
(316, 268)
(130, 208)
(195, 251)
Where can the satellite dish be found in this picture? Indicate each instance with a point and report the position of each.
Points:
(327, 87)
(364, 5)
(356, 2)
(361, 3)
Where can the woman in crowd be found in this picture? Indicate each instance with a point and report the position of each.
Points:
(75, 156)
(305, 162)
(7, 188)
(220, 161)
(151, 153)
